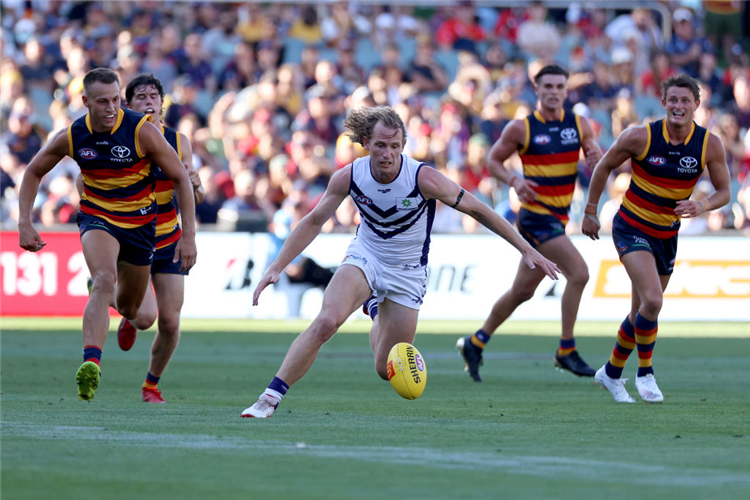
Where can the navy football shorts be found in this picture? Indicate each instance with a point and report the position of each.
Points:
(163, 264)
(537, 228)
(629, 239)
(136, 244)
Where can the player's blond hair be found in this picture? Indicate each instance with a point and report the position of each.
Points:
(362, 122)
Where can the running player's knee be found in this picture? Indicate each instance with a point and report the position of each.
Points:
(104, 283)
(523, 294)
(129, 310)
(578, 278)
(144, 320)
(651, 304)
(324, 327)
(169, 325)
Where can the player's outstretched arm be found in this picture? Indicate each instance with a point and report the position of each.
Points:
(632, 142)
(155, 146)
(307, 229)
(716, 164)
(187, 160)
(44, 161)
(435, 185)
(513, 138)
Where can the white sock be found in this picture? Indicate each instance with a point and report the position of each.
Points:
(274, 394)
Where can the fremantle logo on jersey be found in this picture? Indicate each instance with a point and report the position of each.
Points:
(406, 204)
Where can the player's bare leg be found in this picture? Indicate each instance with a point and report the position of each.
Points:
(647, 298)
(132, 283)
(132, 286)
(147, 313)
(170, 290)
(562, 251)
(470, 347)
(395, 323)
(100, 249)
(648, 286)
(345, 294)
(127, 330)
(170, 293)
(523, 288)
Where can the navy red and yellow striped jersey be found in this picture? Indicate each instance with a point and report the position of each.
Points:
(167, 225)
(662, 175)
(550, 158)
(118, 185)
(724, 7)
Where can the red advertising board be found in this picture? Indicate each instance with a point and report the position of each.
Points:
(51, 282)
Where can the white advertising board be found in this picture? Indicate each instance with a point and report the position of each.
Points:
(711, 281)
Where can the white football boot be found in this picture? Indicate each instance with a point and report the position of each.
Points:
(616, 386)
(263, 408)
(648, 389)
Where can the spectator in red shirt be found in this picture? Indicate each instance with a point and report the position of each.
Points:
(650, 81)
(462, 26)
(506, 27)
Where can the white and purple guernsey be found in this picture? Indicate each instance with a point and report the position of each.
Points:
(396, 218)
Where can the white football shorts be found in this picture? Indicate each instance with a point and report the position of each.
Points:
(404, 283)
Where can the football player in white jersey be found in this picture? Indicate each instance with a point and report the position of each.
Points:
(396, 199)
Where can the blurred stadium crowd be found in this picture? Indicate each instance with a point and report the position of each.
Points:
(261, 90)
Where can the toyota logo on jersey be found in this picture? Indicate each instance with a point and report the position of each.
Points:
(568, 133)
(568, 136)
(688, 162)
(121, 151)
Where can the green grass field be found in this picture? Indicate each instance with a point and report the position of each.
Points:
(527, 431)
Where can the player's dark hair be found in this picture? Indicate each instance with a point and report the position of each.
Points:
(684, 81)
(551, 69)
(101, 75)
(143, 80)
(362, 122)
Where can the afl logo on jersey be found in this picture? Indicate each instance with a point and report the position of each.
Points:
(542, 139)
(657, 160)
(363, 200)
(87, 153)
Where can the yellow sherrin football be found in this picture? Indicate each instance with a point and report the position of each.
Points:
(407, 370)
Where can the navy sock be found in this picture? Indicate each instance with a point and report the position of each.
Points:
(566, 347)
(152, 380)
(279, 386)
(371, 305)
(92, 353)
(480, 338)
